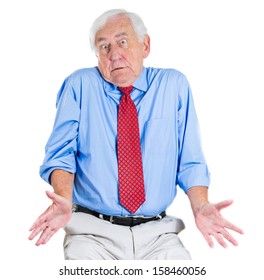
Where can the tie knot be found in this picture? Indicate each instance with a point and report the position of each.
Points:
(126, 90)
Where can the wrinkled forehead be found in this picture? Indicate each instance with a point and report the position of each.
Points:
(117, 26)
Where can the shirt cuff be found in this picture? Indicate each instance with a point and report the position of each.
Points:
(194, 175)
(46, 169)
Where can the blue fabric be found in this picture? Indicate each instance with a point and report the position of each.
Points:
(84, 137)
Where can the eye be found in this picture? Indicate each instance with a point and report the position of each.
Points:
(123, 42)
(105, 47)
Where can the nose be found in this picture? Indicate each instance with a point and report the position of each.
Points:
(114, 53)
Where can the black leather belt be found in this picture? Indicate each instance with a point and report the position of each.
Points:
(118, 220)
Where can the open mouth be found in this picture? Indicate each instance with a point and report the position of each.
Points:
(118, 68)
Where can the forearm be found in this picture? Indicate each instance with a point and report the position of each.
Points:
(62, 183)
(198, 197)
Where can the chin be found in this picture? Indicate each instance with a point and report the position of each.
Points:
(123, 80)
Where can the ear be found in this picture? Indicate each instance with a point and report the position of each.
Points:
(146, 44)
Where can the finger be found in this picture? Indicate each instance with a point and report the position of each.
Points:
(44, 217)
(37, 223)
(37, 230)
(54, 197)
(45, 236)
(33, 235)
(220, 239)
(223, 204)
(209, 240)
(233, 227)
(49, 235)
(229, 237)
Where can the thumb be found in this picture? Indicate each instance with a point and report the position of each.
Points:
(53, 196)
(223, 204)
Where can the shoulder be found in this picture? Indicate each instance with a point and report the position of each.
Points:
(170, 74)
(78, 81)
(84, 74)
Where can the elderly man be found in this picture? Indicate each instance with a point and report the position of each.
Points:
(124, 137)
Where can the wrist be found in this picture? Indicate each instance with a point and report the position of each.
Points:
(199, 209)
(198, 196)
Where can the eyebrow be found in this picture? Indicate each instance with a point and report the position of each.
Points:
(102, 39)
(121, 34)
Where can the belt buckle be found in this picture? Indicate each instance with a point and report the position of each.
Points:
(74, 208)
(111, 218)
(137, 217)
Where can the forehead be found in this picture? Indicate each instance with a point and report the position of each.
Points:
(114, 27)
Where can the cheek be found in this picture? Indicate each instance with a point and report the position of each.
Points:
(137, 60)
(103, 65)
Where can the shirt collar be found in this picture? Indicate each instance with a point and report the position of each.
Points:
(140, 83)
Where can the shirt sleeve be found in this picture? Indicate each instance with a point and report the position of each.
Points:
(61, 147)
(192, 167)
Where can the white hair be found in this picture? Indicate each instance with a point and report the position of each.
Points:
(136, 22)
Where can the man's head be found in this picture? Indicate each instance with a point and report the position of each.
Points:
(121, 43)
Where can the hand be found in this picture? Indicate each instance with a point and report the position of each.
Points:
(211, 223)
(55, 217)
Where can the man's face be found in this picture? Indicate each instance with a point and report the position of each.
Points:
(120, 54)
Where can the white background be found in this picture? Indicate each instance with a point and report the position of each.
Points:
(218, 45)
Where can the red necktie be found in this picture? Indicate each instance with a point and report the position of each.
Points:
(130, 171)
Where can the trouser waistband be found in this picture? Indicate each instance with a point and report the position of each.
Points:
(118, 220)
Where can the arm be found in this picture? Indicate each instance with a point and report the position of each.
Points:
(62, 183)
(59, 165)
(193, 175)
(198, 197)
(59, 212)
(208, 218)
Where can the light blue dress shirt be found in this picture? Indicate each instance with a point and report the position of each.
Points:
(84, 137)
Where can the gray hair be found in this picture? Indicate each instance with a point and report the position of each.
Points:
(137, 24)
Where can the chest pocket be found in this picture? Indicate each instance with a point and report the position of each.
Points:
(158, 138)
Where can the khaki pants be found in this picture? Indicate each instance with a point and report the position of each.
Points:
(90, 238)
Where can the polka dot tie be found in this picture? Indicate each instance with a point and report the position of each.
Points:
(130, 171)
